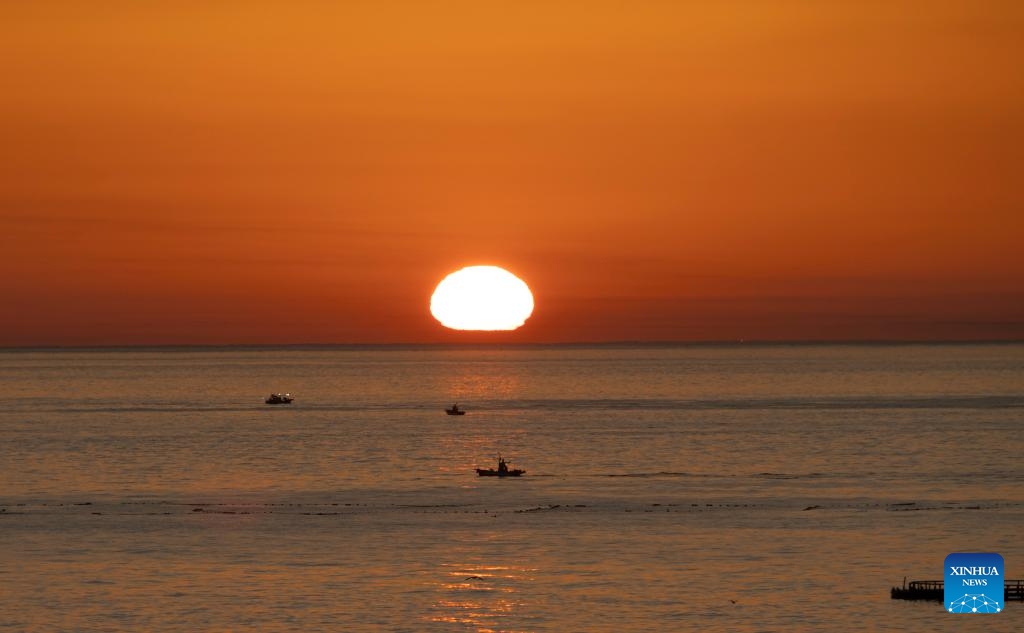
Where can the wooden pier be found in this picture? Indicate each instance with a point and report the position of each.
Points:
(933, 590)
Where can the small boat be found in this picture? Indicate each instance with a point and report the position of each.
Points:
(279, 398)
(503, 470)
(455, 410)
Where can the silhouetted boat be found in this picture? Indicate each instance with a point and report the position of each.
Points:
(455, 410)
(279, 398)
(503, 470)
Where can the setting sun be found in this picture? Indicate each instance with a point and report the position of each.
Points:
(482, 298)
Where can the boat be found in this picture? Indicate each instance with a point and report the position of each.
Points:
(502, 471)
(279, 398)
(455, 410)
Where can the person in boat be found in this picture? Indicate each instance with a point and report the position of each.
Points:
(455, 408)
(502, 466)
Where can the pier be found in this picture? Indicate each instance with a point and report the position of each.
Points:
(933, 590)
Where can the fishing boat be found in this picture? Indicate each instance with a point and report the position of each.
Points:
(455, 410)
(279, 398)
(502, 471)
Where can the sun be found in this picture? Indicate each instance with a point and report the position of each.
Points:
(484, 298)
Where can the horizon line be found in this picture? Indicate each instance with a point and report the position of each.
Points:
(512, 344)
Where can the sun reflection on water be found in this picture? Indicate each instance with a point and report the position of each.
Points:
(480, 596)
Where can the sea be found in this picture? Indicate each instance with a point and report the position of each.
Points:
(743, 487)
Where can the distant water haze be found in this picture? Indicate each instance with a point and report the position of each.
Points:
(713, 488)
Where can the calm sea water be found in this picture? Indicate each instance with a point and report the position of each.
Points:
(712, 488)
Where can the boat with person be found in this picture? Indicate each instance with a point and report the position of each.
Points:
(455, 410)
(279, 398)
(502, 471)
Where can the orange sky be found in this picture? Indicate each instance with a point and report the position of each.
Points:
(294, 172)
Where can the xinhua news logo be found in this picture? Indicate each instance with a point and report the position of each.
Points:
(973, 583)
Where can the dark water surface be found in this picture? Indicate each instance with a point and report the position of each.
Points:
(712, 488)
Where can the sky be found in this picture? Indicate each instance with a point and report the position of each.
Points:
(306, 172)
